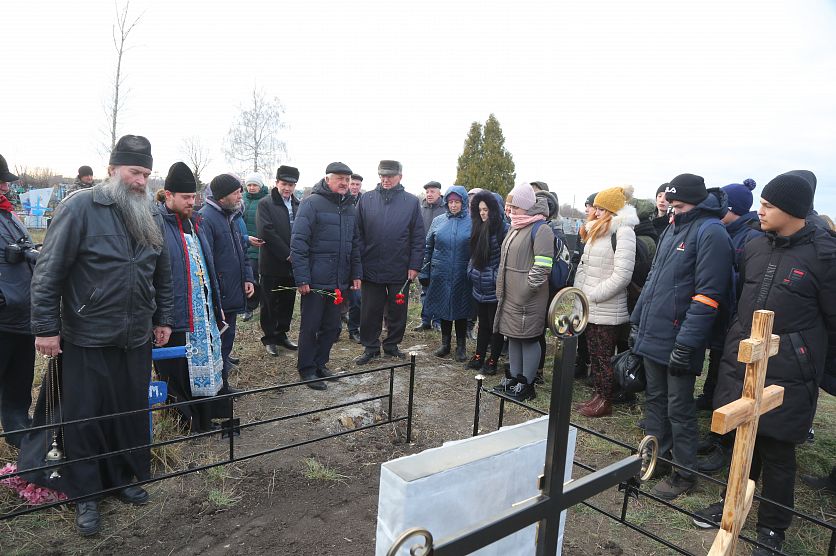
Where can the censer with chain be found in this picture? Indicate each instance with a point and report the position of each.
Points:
(54, 415)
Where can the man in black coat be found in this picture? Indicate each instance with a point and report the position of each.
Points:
(17, 345)
(674, 318)
(325, 252)
(392, 245)
(432, 205)
(100, 291)
(792, 271)
(274, 221)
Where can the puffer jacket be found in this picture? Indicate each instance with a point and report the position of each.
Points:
(689, 284)
(223, 234)
(15, 278)
(445, 263)
(92, 284)
(392, 234)
(796, 278)
(180, 277)
(484, 279)
(522, 287)
(249, 215)
(603, 275)
(324, 247)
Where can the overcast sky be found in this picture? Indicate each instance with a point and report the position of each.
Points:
(590, 94)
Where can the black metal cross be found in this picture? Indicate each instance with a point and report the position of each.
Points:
(555, 496)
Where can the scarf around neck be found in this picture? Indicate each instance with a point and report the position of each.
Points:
(519, 221)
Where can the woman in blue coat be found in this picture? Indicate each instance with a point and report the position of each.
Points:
(488, 229)
(445, 271)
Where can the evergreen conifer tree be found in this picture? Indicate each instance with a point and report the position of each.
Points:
(467, 173)
(484, 162)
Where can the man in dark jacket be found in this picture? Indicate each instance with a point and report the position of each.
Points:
(662, 217)
(392, 245)
(254, 191)
(197, 305)
(274, 220)
(235, 276)
(84, 180)
(674, 318)
(355, 297)
(17, 345)
(739, 221)
(325, 252)
(792, 271)
(102, 285)
(431, 206)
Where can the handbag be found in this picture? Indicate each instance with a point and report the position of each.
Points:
(628, 369)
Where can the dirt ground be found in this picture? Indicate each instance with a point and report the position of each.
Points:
(321, 498)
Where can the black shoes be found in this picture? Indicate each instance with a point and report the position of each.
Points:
(272, 349)
(771, 538)
(461, 352)
(673, 486)
(820, 483)
(521, 392)
(285, 342)
(354, 337)
(325, 372)
(490, 367)
(88, 520)
(715, 461)
(227, 389)
(505, 385)
(444, 349)
(710, 517)
(135, 495)
(475, 363)
(394, 352)
(622, 397)
(366, 357)
(313, 375)
(248, 316)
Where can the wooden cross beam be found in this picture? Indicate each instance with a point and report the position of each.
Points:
(743, 415)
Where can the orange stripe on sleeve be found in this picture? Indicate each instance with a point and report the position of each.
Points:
(706, 300)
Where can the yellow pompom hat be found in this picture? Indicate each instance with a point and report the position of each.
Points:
(614, 198)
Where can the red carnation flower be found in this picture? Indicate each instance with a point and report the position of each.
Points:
(399, 299)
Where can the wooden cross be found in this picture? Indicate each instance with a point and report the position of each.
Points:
(743, 415)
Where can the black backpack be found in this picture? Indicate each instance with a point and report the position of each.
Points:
(644, 260)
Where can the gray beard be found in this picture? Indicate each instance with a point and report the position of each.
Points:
(136, 211)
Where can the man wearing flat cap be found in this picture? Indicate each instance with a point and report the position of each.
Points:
(197, 304)
(326, 262)
(83, 180)
(100, 292)
(17, 345)
(392, 246)
(274, 220)
(221, 215)
(432, 205)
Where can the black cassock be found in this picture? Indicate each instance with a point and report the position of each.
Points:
(94, 382)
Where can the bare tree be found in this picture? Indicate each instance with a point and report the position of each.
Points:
(254, 136)
(120, 33)
(197, 156)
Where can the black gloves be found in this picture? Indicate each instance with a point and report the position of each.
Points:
(680, 361)
(424, 282)
(631, 339)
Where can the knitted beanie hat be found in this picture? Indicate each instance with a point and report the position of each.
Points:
(590, 200)
(740, 196)
(522, 196)
(612, 199)
(223, 185)
(255, 178)
(662, 188)
(688, 188)
(790, 193)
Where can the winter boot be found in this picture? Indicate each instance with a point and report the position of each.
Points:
(490, 366)
(444, 350)
(591, 401)
(601, 408)
(461, 349)
(506, 383)
(475, 362)
(522, 390)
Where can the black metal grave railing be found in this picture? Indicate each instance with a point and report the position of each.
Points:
(229, 430)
